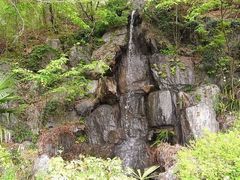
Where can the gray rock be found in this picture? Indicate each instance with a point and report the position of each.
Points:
(168, 175)
(41, 164)
(54, 43)
(138, 4)
(201, 117)
(107, 91)
(133, 116)
(197, 118)
(134, 75)
(134, 153)
(85, 106)
(170, 74)
(93, 86)
(78, 54)
(101, 122)
(108, 52)
(161, 108)
(208, 94)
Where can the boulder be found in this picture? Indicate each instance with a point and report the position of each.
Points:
(168, 175)
(201, 116)
(92, 87)
(133, 153)
(77, 54)
(170, 73)
(161, 108)
(41, 164)
(85, 106)
(54, 43)
(107, 91)
(134, 74)
(114, 41)
(101, 122)
(207, 94)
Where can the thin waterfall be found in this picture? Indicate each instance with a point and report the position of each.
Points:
(130, 43)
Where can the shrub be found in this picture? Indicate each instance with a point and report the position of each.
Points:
(85, 168)
(40, 57)
(215, 156)
(7, 170)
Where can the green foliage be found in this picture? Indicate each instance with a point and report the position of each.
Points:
(21, 132)
(6, 92)
(164, 135)
(85, 168)
(227, 102)
(57, 78)
(40, 57)
(15, 164)
(215, 156)
(7, 170)
(146, 174)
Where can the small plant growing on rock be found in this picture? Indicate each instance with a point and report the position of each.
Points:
(163, 136)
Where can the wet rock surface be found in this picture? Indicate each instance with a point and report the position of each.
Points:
(133, 116)
(133, 152)
(134, 74)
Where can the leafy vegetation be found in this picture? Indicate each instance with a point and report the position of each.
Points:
(146, 173)
(56, 77)
(16, 164)
(164, 135)
(91, 18)
(212, 27)
(215, 156)
(85, 168)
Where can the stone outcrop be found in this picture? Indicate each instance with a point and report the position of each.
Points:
(54, 43)
(172, 73)
(200, 116)
(101, 122)
(134, 74)
(114, 41)
(77, 54)
(161, 108)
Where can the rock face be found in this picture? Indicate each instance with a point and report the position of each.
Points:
(133, 116)
(78, 54)
(85, 106)
(134, 74)
(114, 41)
(172, 73)
(142, 95)
(202, 116)
(54, 43)
(41, 164)
(161, 108)
(101, 122)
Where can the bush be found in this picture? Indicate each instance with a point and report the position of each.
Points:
(40, 57)
(216, 156)
(85, 168)
(7, 170)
